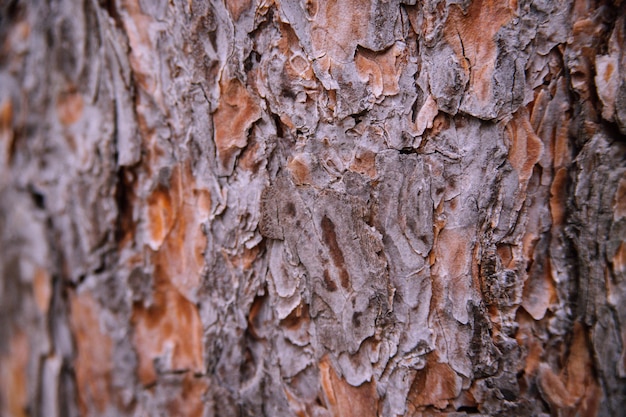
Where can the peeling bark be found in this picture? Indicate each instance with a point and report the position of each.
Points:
(313, 208)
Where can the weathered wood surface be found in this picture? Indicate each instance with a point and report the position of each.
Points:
(314, 208)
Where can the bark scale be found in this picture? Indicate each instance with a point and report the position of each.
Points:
(349, 208)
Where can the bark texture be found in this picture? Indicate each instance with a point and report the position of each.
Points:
(313, 208)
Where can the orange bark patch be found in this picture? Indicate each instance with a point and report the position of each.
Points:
(342, 398)
(364, 162)
(256, 319)
(6, 115)
(506, 255)
(169, 329)
(525, 148)
(619, 260)
(298, 318)
(539, 293)
(435, 385)
(94, 359)
(161, 215)
(250, 159)
(137, 27)
(189, 399)
(529, 242)
(558, 197)
(381, 70)
(182, 254)
(176, 212)
(471, 36)
(526, 338)
(15, 38)
(553, 389)
(329, 236)
(579, 364)
(608, 71)
(42, 289)
(299, 167)
(204, 203)
(576, 386)
(6, 130)
(453, 251)
(452, 271)
(13, 369)
(337, 27)
(426, 116)
(607, 83)
(237, 7)
(619, 205)
(561, 144)
(298, 67)
(236, 112)
(69, 107)
(245, 259)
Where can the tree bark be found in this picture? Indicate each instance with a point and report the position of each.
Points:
(312, 208)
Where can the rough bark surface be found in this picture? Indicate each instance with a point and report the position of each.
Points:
(313, 208)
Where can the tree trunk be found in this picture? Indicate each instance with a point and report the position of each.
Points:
(312, 208)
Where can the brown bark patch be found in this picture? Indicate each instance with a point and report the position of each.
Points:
(69, 107)
(252, 157)
(619, 260)
(125, 194)
(526, 337)
(6, 129)
(337, 27)
(329, 236)
(553, 389)
(452, 252)
(558, 196)
(328, 282)
(561, 143)
(381, 70)
(452, 271)
(170, 330)
(297, 319)
(13, 382)
(137, 27)
(619, 205)
(342, 398)
(434, 385)
(237, 7)
(364, 162)
(426, 116)
(42, 289)
(94, 358)
(579, 369)
(299, 167)
(236, 112)
(257, 318)
(176, 211)
(188, 399)
(506, 255)
(297, 67)
(245, 259)
(576, 387)
(525, 147)
(471, 36)
(161, 215)
(539, 292)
